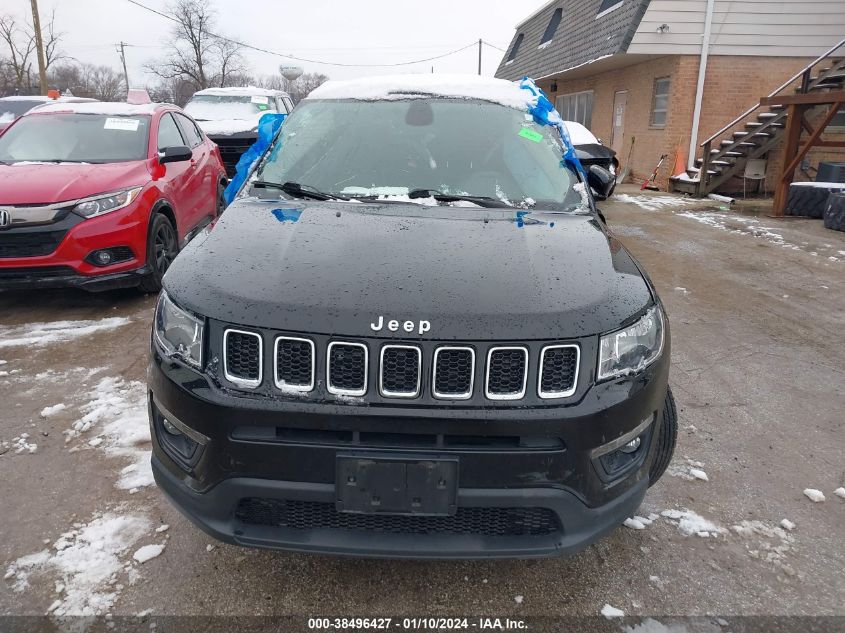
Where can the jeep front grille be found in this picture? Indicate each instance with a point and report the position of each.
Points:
(422, 370)
(347, 369)
(400, 371)
(295, 360)
(507, 373)
(454, 372)
(558, 371)
(242, 358)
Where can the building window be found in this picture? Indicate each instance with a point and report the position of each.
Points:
(837, 123)
(607, 6)
(515, 48)
(576, 106)
(660, 102)
(552, 27)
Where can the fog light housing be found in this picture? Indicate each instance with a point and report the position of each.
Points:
(632, 446)
(108, 256)
(181, 443)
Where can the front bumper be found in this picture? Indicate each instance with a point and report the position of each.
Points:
(283, 453)
(50, 277)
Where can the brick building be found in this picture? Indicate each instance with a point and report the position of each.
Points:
(630, 68)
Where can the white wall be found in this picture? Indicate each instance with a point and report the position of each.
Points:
(800, 28)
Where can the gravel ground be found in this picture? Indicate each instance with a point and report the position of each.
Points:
(758, 371)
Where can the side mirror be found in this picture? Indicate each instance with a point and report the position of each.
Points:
(175, 154)
(601, 181)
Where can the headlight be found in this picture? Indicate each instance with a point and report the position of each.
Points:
(104, 204)
(633, 349)
(177, 332)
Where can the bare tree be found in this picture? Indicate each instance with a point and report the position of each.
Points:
(195, 55)
(51, 38)
(20, 47)
(88, 80)
(300, 88)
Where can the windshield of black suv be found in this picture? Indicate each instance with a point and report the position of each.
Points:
(76, 138)
(10, 109)
(388, 149)
(219, 108)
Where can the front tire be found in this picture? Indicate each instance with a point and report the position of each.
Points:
(162, 248)
(221, 198)
(667, 436)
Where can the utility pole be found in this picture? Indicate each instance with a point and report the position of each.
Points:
(479, 55)
(39, 46)
(121, 46)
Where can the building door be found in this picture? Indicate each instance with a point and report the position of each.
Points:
(617, 137)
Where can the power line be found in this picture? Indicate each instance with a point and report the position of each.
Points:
(494, 46)
(303, 59)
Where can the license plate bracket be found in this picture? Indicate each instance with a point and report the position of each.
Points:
(402, 485)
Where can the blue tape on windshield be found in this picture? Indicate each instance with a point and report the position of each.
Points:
(268, 126)
(544, 113)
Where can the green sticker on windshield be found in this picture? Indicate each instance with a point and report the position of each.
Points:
(531, 135)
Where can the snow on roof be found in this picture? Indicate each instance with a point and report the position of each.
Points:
(100, 107)
(579, 135)
(241, 91)
(389, 87)
(25, 98)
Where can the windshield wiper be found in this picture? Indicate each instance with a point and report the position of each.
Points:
(297, 190)
(481, 201)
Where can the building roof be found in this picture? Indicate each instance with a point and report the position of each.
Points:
(588, 30)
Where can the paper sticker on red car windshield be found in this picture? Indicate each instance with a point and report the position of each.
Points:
(122, 123)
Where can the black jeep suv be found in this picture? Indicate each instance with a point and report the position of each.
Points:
(412, 335)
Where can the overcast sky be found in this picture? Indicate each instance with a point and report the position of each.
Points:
(360, 31)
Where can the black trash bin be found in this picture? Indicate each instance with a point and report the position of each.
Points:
(831, 172)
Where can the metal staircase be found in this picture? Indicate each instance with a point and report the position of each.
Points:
(757, 130)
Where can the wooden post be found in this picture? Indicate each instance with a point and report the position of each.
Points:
(794, 116)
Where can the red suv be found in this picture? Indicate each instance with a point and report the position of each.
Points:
(103, 195)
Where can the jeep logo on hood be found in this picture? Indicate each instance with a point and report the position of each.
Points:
(393, 325)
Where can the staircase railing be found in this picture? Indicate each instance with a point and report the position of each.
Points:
(805, 74)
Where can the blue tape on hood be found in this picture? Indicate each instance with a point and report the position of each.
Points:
(544, 113)
(268, 126)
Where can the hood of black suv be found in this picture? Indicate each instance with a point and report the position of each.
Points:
(471, 273)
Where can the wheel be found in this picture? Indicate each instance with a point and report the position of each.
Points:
(667, 435)
(808, 202)
(162, 248)
(221, 198)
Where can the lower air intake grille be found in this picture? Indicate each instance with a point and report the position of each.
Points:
(242, 357)
(294, 364)
(307, 515)
(17, 243)
(558, 371)
(453, 372)
(400, 371)
(507, 368)
(347, 369)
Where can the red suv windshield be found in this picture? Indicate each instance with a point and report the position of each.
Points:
(76, 138)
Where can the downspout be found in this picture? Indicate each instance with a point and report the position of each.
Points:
(699, 90)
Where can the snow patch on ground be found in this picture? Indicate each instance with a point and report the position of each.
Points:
(640, 523)
(86, 562)
(41, 334)
(21, 444)
(690, 470)
(46, 412)
(609, 612)
(769, 543)
(690, 523)
(653, 203)
(118, 410)
(816, 496)
(840, 492)
(148, 552)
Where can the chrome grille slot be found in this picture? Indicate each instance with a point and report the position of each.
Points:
(294, 364)
(400, 371)
(558, 371)
(507, 373)
(454, 372)
(346, 369)
(242, 358)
